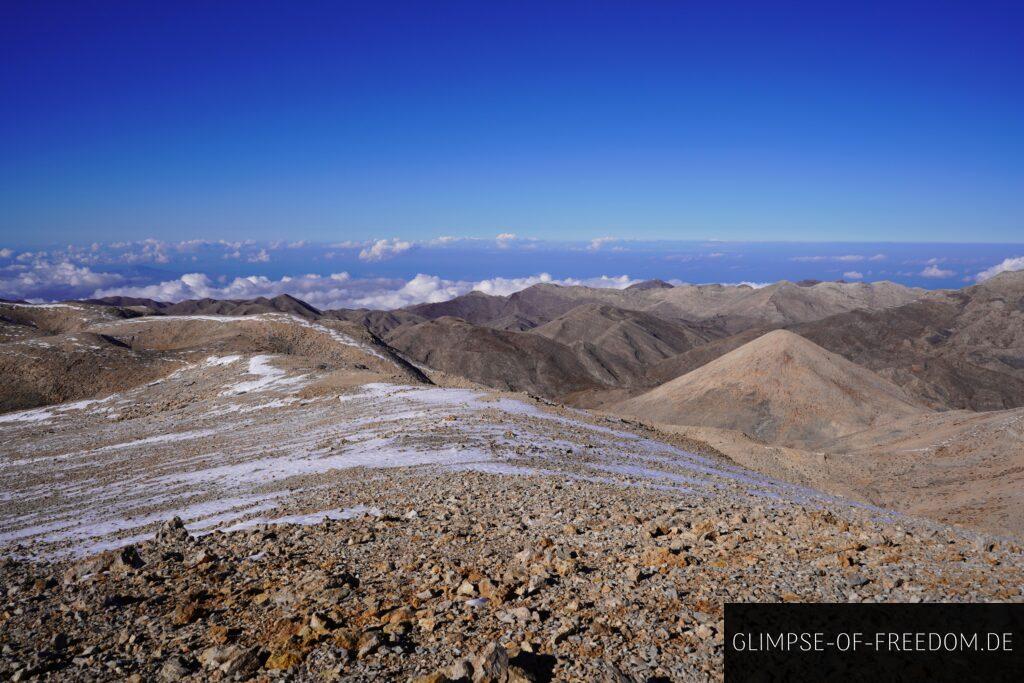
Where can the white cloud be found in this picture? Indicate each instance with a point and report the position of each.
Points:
(45, 279)
(934, 271)
(745, 283)
(260, 257)
(501, 286)
(340, 290)
(315, 289)
(420, 289)
(599, 242)
(384, 249)
(432, 289)
(853, 275)
(505, 239)
(845, 258)
(1010, 264)
(6, 253)
(281, 244)
(143, 251)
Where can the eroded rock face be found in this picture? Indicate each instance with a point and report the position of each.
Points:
(493, 579)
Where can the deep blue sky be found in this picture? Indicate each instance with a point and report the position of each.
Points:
(810, 121)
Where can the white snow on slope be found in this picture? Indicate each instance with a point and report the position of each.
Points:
(217, 470)
(267, 377)
(218, 361)
(34, 415)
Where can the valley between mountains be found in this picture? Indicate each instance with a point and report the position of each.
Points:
(566, 483)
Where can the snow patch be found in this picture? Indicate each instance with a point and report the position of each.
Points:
(160, 438)
(218, 361)
(34, 415)
(267, 377)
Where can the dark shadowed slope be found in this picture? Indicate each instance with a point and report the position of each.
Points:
(475, 307)
(618, 345)
(956, 349)
(283, 303)
(514, 361)
(650, 284)
(676, 366)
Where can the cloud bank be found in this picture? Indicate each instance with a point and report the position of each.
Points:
(845, 258)
(1014, 263)
(41, 278)
(340, 290)
(432, 269)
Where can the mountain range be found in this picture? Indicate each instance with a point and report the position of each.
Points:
(810, 381)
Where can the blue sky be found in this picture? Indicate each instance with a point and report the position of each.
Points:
(386, 153)
(834, 122)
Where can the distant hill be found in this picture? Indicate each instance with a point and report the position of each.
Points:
(616, 345)
(475, 307)
(128, 301)
(731, 308)
(283, 303)
(513, 361)
(650, 284)
(378, 322)
(779, 388)
(955, 348)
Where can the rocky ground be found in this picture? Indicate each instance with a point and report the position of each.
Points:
(479, 576)
(469, 535)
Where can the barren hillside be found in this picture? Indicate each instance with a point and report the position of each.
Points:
(333, 523)
(500, 359)
(618, 345)
(778, 388)
(955, 349)
(731, 308)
